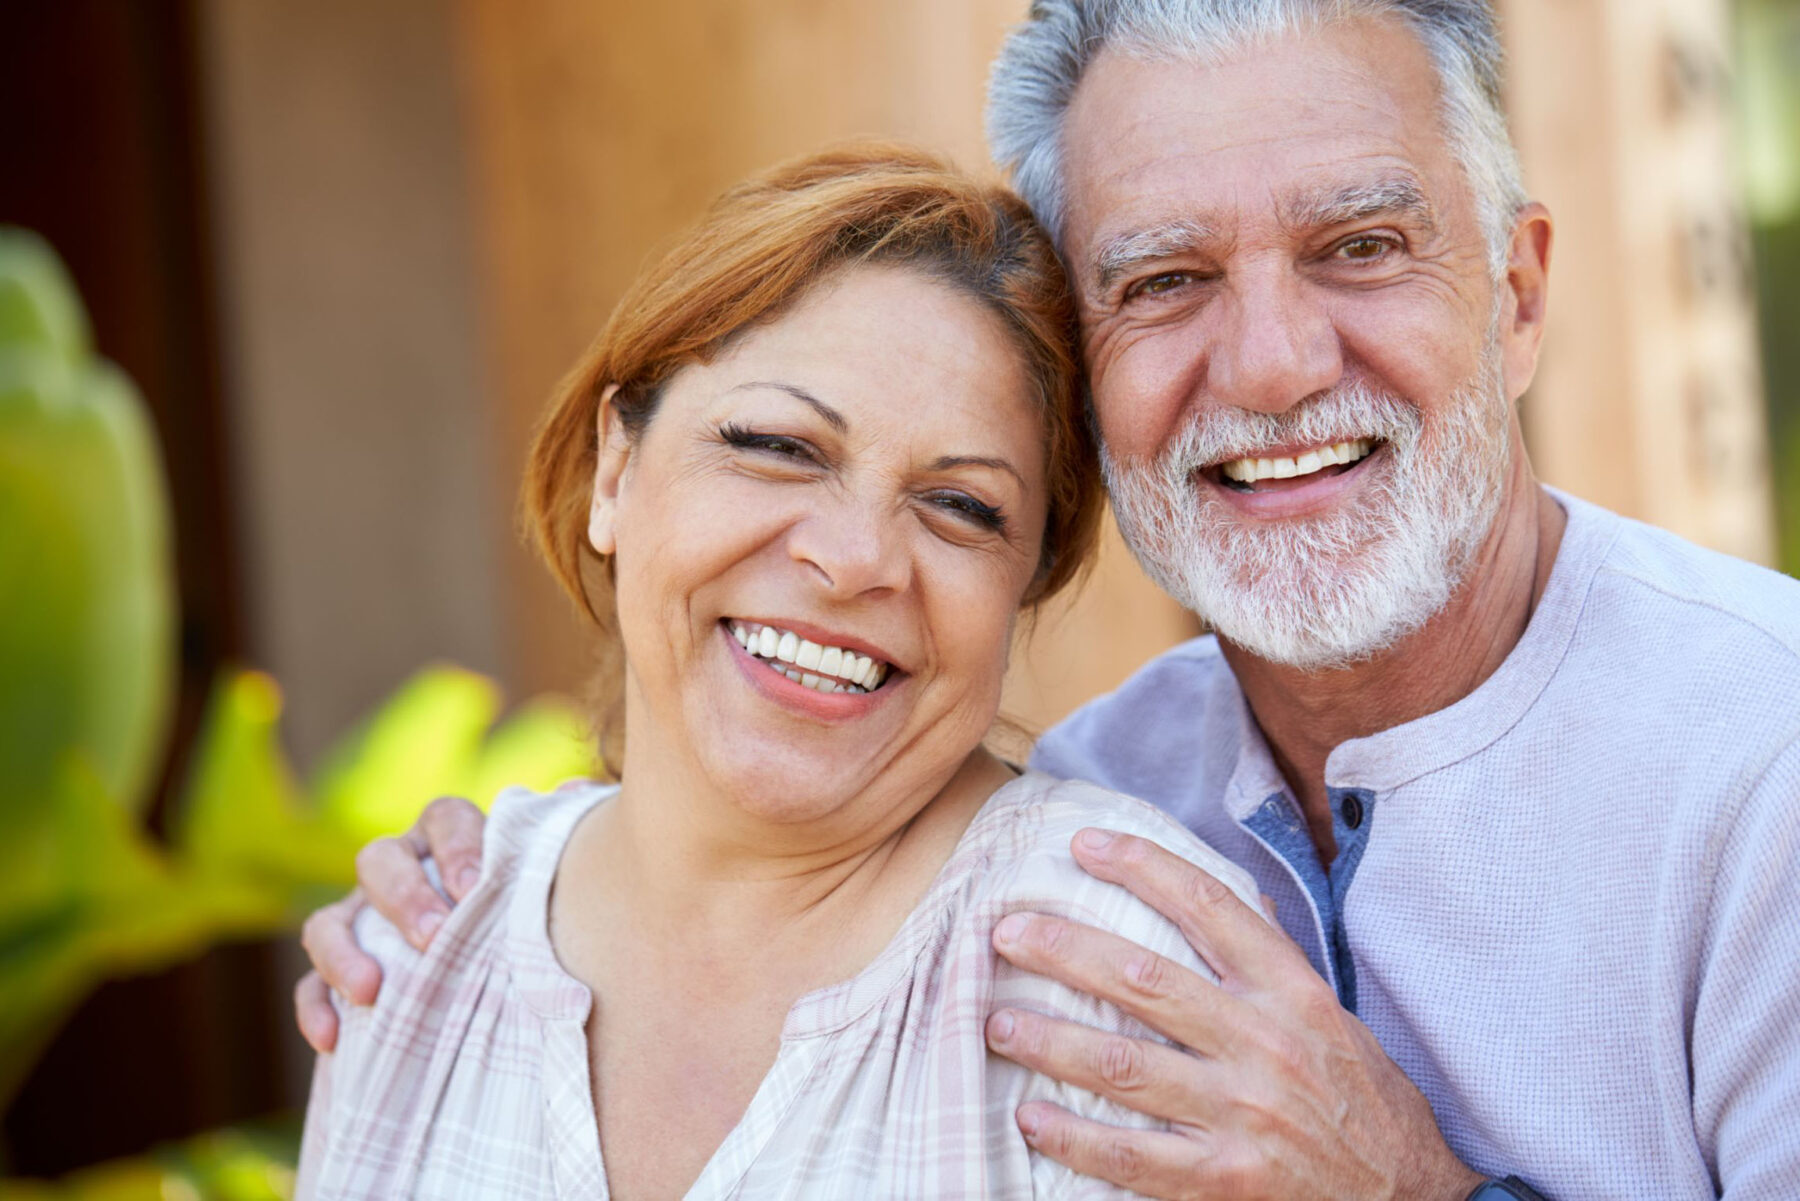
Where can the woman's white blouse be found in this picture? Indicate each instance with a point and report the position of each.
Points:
(469, 1076)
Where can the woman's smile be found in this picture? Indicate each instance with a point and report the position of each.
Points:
(832, 666)
(852, 686)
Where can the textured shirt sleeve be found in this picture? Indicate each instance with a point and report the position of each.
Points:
(1746, 1028)
(338, 1094)
(1050, 881)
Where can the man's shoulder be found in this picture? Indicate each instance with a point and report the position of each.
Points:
(1700, 592)
(1681, 660)
(1167, 714)
(1696, 636)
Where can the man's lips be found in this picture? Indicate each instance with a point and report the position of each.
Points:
(1300, 494)
(1283, 463)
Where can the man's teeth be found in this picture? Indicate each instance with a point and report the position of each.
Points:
(823, 668)
(1248, 471)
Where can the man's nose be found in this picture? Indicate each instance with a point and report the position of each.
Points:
(1275, 344)
(854, 546)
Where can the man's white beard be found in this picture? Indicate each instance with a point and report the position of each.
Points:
(1324, 592)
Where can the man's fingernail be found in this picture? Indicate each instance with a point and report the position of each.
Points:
(1094, 840)
(465, 879)
(428, 925)
(1002, 1026)
(1011, 928)
(1028, 1124)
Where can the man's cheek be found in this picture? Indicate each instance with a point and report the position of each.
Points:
(1134, 411)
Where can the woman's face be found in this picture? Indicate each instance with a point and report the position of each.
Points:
(856, 491)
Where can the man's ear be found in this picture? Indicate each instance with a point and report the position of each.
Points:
(613, 452)
(1528, 285)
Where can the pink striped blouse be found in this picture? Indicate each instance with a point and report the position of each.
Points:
(469, 1077)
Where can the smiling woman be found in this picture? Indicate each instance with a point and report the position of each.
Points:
(764, 245)
(816, 465)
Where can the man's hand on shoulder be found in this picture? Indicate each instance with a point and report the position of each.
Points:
(390, 874)
(1279, 1092)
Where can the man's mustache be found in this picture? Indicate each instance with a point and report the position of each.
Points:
(1346, 413)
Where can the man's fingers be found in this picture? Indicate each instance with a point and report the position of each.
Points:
(1233, 938)
(393, 877)
(314, 1014)
(331, 945)
(1154, 1163)
(1153, 1079)
(451, 827)
(1177, 1003)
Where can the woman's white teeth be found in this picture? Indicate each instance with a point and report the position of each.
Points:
(1248, 471)
(824, 668)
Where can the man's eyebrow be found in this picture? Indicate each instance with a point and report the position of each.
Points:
(1399, 195)
(833, 418)
(1122, 252)
(950, 462)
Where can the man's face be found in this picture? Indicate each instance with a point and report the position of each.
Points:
(1291, 331)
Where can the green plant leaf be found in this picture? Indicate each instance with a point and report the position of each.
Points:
(422, 743)
(87, 645)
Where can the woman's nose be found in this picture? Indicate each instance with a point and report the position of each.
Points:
(854, 547)
(1275, 344)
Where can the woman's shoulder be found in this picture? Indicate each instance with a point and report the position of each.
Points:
(521, 842)
(1035, 818)
(449, 1026)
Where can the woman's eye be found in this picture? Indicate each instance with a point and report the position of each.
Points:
(780, 444)
(965, 506)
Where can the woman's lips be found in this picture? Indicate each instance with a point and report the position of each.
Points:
(773, 682)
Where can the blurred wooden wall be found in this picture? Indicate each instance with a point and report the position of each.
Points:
(1649, 399)
(600, 129)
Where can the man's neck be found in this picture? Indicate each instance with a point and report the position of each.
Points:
(1305, 715)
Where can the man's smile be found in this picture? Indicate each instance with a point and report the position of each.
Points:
(1251, 474)
(1292, 481)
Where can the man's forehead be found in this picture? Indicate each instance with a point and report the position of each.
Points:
(1285, 126)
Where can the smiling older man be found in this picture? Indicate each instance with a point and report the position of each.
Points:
(1521, 777)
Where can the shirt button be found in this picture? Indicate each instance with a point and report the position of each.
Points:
(1352, 809)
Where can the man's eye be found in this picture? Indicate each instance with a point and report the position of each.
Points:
(1363, 250)
(1158, 285)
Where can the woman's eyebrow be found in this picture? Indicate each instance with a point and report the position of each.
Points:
(951, 462)
(831, 416)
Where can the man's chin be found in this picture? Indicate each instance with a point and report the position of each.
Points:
(1332, 602)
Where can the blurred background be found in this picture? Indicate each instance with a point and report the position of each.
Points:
(302, 274)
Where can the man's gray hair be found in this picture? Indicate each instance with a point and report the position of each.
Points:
(1043, 60)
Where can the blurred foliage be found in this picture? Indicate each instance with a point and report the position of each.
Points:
(1768, 52)
(249, 1163)
(87, 646)
(86, 686)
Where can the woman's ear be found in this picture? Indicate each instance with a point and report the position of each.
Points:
(613, 452)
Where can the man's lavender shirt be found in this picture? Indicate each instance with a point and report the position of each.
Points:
(1569, 904)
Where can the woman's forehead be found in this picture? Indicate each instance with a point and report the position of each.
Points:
(883, 346)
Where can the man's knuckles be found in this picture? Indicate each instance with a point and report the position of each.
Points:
(1150, 976)
(1120, 1065)
(1090, 1149)
(1204, 893)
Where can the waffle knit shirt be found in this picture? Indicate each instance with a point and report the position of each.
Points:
(1569, 904)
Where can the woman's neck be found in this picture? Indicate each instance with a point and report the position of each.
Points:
(673, 870)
